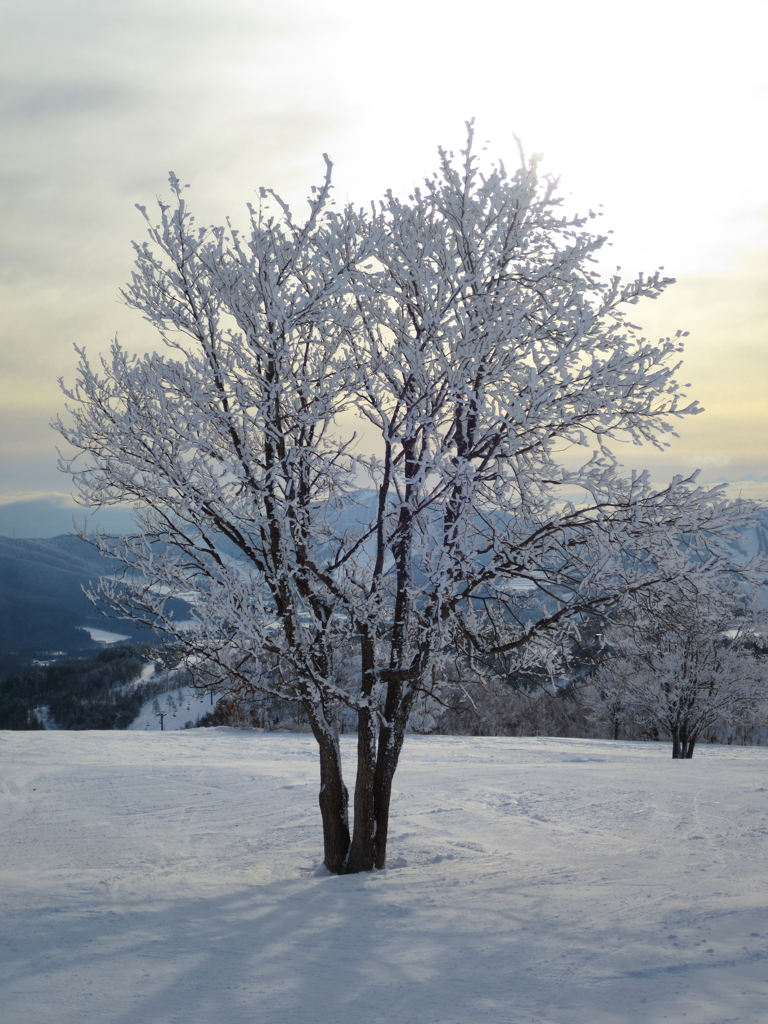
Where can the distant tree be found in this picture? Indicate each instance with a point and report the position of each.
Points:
(16, 713)
(683, 662)
(350, 452)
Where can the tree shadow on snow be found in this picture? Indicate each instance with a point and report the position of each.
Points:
(347, 950)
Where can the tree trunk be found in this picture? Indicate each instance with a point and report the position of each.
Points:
(682, 742)
(362, 852)
(675, 742)
(383, 795)
(334, 805)
(390, 744)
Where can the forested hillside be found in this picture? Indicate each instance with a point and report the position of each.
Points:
(41, 599)
(42, 605)
(105, 692)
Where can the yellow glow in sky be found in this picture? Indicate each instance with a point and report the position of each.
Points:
(657, 111)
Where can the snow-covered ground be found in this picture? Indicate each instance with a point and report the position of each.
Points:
(152, 878)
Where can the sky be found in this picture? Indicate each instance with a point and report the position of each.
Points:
(657, 111)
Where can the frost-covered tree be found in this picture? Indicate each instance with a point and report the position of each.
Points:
(349, 453)
(683, 661)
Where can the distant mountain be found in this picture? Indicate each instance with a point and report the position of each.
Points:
(42, 605)
(51, 517)
(43, 608)
(754, 540)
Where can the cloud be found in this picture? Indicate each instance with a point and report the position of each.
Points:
(717, 458)
(29, 103)
(99, 99)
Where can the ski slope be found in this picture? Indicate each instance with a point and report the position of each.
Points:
(155, 878)
(182, 705)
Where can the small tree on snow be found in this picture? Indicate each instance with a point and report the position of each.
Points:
(683, 662)
(465, 333)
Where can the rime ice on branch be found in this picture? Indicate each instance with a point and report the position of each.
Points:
(465, 337)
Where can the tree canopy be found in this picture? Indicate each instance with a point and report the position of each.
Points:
(350, 453)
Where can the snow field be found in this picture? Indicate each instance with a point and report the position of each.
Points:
(151, 878)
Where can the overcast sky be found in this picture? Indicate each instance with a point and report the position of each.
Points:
(656, 110)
